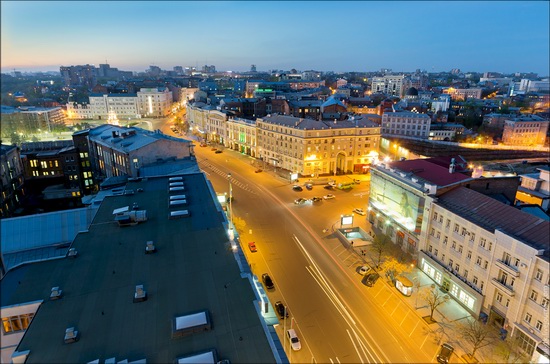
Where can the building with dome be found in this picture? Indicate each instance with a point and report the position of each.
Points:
(411, 94)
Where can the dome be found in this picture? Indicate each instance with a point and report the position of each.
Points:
(412, 92)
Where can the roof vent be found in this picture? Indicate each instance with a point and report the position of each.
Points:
(140, 295)
(173, 179)
(71, 335)
(56, 293)
(150, 248)
(72, 253)
(176, 184)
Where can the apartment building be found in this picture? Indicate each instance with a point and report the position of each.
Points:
(82, 75)
(311, 147)
(12, 177)
(493, 259)
(406, 123)
(116, 151)
(526, 130)
(460, 94)
(31, 119)
(389, 85)
(535, 188)
(101, 105)
(241, 136)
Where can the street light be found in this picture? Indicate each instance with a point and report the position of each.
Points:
(230, 198)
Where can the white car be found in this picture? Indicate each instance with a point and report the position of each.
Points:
(364, 270)
(359, 211)
(294, 341)
(329, 196)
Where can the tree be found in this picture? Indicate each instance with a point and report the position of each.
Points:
(477, 334)
(380, 245)
(393, 268)
(510, 351)
(434, 297)
(239, 224)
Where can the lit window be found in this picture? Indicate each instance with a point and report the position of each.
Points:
(16, 323)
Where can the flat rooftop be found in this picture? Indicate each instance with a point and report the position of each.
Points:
(192, 270)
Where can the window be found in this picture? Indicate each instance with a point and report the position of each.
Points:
(432, 232)
(460, 249)
(448, 223)
(474, 280)
(538, 325)
(538, 275)
(478, 260)
(436, 252)
(534, 295)
(481, 286)
(457, 267)
(435, 216)
(16, 323)
(490, 245)
(499, 297)
(527, 317)
(544, 302)
(472, 237)
(456, 228)
(482, 242)
(463, 232)
(469, 256)
(454, 245)
(445, 240)
(443, 258)
(485, 264)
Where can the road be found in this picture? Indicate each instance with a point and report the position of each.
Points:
(334, 315)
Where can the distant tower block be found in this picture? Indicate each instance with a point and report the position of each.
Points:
(253, 68)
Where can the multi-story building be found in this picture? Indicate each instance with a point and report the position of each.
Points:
(527, 130)
(535, 188)
(116, 151)
(12, 177)
(87, 178)
(388, 85)
(101, 105)
(493, 259)
(83, 75)
(442, 103)
(312, 147)
(31, 119)
(406, 123)
(241, 136)
(154, 102)
(459, 94)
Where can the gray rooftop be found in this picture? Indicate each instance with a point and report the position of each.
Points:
(310, 124)
(193, 269)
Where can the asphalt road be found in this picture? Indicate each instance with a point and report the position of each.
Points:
(333, 313)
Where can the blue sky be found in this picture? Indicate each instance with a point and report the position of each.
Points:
(340, 36)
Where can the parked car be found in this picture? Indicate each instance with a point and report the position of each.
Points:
(359, 211)
(281, 309)
(309, 186)
(214, 149)
(300, 201)
(294, 341)
(252, 247)
(328, 197)
(297, 188)
(364, 270)
(328, 187)
(316, 199)
(267, 281)
(218, 151)
(445, 353)
(357, 181)
(258, 170)
(371, 279)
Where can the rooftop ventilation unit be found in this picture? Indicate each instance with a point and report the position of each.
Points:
(150, 248)
(72, 253)
(179, 214)
(56, 293)
(175, 184)
(188, 324)
(178, 202)
(172, 189)
(173, 179)
(140, 295)
(71, 335)
(177, 197)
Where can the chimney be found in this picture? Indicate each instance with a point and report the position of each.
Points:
(452, 166)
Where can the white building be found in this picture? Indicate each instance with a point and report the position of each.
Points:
(154, 102)
(122, 105)
(389, 85)
(535, 188)
(406, 123)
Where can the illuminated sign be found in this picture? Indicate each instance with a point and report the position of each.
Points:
(346, 220)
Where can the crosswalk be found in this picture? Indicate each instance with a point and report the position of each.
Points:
(234, 182)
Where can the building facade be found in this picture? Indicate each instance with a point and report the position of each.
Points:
(459, 94)
(83, 75)
(31, 119)
(388, 85)
(527, 130)
(535, 188)
(12, 177)
(154, 102)
(406, 123)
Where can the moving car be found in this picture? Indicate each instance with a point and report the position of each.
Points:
(252, 247)
(300, 201)
(371, 279)
(445, 353)
(316, 199)
(309, 186)
(294, 341)
(258, 170)
(364, 270)
(359, 211)
(297, 188)
(281, 309)
(329, 187)
(328, 197)
(267, 281)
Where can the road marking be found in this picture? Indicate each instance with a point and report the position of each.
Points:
(355, 346)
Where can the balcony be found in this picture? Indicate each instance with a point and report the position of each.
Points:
(500, 285)
(513, 271)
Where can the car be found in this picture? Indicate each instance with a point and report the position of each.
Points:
(267, 281)
(371, 279)
(445, 353)
(300, 201)
(252, 247)
(258, 170)
(203, 145)
(357, 181)
(218, 151)
(328, 197)
(294, 341)
(316, 199)
(332, 183)
(364, 270)
(328, 187)
(214, 149)
(281, 309)
(309, 186)
(359, 211)
(297, 188)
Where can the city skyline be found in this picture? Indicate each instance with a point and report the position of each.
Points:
(502, 37)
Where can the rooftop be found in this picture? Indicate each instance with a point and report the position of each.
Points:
(310, 124)
(192, 270)
(491, 215)
(430, 171)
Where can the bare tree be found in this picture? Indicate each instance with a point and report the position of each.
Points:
(434, 297)
(477, 334)
(380, 245)
(239, 223)
(393, 268)
(510, 351)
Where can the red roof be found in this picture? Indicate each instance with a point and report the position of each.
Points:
(430, 172)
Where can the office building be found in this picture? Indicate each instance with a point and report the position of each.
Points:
(390, 85)
(406, 123)
(31, 119)
(526, 129)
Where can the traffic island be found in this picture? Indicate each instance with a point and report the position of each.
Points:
(429, 320)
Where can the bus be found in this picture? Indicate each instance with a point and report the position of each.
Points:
(345, 185)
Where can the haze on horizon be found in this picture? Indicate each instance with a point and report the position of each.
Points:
(507, 36)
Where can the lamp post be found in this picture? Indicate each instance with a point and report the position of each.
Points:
(230, 198)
